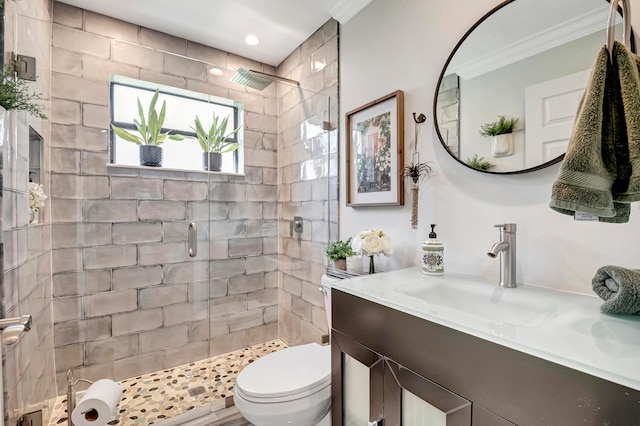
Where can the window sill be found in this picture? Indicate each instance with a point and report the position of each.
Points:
(127, 170)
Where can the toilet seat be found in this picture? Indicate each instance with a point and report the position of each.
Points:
(292, 373)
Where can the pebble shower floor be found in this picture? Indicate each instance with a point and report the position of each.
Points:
(157, 396)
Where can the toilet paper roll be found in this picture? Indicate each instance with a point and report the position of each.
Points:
(98, 404)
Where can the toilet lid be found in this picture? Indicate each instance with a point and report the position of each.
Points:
(290, 371)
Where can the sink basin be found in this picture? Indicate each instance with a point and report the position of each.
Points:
(560, 327)
(478, 299)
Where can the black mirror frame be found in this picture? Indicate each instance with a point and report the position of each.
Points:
(444, 68)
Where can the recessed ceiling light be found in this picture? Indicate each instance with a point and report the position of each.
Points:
(251, 40)
(216, 71)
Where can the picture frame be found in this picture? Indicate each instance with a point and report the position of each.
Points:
(375, 152)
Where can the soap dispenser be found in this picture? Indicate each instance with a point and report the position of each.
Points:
(432, 255)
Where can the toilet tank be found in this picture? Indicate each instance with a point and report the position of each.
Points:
(326, 283)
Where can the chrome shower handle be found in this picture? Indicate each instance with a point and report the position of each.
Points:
(11, 329)
(192, 239)
(24, 321)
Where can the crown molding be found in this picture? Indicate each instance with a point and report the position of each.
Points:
(536, 43)
(344, 10)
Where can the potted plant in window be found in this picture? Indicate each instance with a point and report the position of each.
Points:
(502, 133)
(150, 133)
(338, 252)
(214, 142)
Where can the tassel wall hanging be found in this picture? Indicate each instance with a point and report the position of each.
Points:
(415, 171)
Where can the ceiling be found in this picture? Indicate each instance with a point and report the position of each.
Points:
(280, 25)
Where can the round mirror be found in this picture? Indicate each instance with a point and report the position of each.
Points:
(507, 96)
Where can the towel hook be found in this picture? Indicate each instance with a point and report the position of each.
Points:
(626, 28)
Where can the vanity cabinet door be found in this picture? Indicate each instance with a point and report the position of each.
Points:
(411, 399)
(357, 382)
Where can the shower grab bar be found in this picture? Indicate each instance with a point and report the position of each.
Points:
(192, 239)
(626, 26)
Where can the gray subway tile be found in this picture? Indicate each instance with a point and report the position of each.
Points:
(137, 321)
(111, 302)
(77, 331)
(162, 210)
(136, 232)
(136, 188)
(137, 277)
(164, 295)
(110, 256)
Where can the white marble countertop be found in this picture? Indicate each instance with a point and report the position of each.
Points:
(564, 328)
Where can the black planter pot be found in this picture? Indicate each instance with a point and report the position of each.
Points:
(212, 161)
(150, 155)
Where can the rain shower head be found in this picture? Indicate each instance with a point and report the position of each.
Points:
(259, 80)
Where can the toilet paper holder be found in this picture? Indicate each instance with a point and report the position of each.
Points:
(71, 394)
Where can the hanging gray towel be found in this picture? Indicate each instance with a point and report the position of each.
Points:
(619, 288)
(626, 189)
(600, 173)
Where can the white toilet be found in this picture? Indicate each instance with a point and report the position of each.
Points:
(291, 386)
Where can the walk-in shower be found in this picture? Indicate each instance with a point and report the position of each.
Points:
(110, 251)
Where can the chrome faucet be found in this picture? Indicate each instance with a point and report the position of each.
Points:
(507, 249)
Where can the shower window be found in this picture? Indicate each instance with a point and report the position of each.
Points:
(182, 107)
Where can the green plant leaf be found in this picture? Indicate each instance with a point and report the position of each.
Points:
(230, 147)
(126, 135)
(500, 127)
(153, 128)
(142, 125)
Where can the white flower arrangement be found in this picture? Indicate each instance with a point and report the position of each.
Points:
(372, 241)
(36, 196)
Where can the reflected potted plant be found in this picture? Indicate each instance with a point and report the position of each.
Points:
(214, 142)
(502, 133)
(479, 163)
(150, 135)
(338, 252)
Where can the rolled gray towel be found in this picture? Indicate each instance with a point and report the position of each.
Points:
(619, 288)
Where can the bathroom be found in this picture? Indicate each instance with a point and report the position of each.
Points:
(416, 38)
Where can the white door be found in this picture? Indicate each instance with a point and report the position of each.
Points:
(550, 110)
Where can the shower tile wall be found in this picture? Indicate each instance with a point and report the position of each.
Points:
(307, 164)
(126, 299)
(28, 366)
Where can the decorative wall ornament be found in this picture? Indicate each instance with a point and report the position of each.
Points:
(415, 171)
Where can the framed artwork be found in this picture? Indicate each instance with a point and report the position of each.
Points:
(375, 156)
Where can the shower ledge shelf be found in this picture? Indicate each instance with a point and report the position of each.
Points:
(130, 168)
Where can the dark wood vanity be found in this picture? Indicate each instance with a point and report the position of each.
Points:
(471, 380)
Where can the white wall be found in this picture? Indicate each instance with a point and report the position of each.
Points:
(403, 45)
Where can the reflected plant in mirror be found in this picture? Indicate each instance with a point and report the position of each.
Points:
(501, 132)
(502, 126)
(479, 163)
